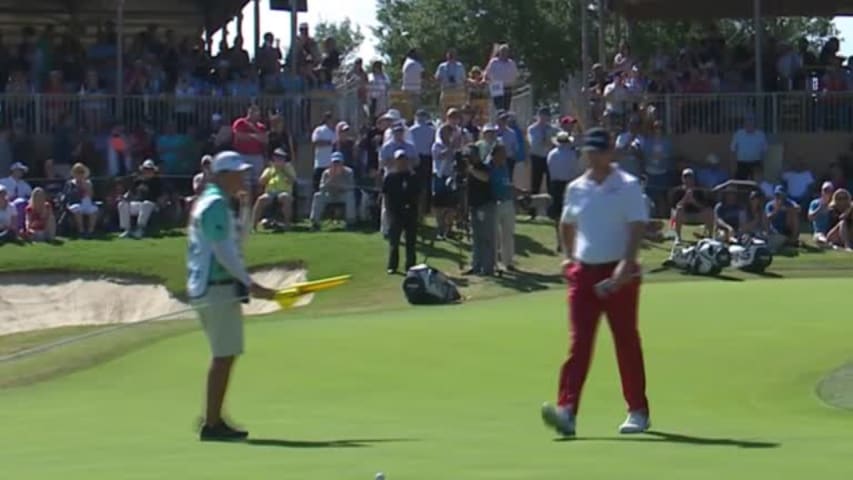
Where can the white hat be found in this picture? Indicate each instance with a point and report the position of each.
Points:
(393, 115)
(400, 154)
(2, 188)
(490, 127)
(148, 165)
(229, 162)
(18, 166)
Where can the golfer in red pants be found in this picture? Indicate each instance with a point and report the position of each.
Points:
(604, 217)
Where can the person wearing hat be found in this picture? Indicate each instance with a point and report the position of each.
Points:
(397, 142)
(400, 195)
(602, 226)
(79, 194)
(336, 186)
(784, 216)
(819, 214)
(563, 167)
(509, 139)
(8, 218)
(423, 137)
(218, 282)
(18, 190)
(277, 182)
(540, 136)
(481, 203)
(488, 140)
(201, 178)
(691, 205)
(143, 199)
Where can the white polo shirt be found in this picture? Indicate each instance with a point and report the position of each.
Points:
(323, 153)
(601, 214)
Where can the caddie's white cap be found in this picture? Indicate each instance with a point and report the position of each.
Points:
(229, 162)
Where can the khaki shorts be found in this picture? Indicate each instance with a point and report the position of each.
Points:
(221, 317)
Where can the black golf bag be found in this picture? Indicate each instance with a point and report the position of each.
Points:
(425, 285)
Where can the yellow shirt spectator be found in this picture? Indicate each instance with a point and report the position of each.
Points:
(279, 181)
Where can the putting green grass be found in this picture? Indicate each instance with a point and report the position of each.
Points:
(454, 392)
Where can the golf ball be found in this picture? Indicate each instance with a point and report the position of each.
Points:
(380, 476)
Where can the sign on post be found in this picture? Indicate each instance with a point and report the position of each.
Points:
(287, 5)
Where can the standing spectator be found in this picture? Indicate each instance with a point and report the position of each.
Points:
(79, 194)
(413, 74)
(749, 146)
(603, 223)
(470, 126)
(423, 137)
(488, 140)
(444, 201)
(798, 181)
(540, 135)
(501, 74)
(481, 204)
(358, 78)
(378, 85)
(331, 61)
(250, 139)
(616, 100)
(40, 222)
(323, 138)
(145, 196)
(658, 156)
(630, 146)
(277, 181)
(307, 52)
(509, 139)
(784, 217)
(451, 79)
(171, 146)
(400, 192)
(819, 215)
(268, 59)
(563, 167)
(345, 144)
(8, 218)
(623, 61)
(280, 137)
(238, 57)
(711, 174)
(503, 191)
(337, 185)
(398, 141)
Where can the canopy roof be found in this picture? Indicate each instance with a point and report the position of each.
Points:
(697, 10)
(186, 17)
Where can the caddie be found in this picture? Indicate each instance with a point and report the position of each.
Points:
(218, 282)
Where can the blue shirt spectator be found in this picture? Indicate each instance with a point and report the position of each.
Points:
(423, 136)
(502, 189)
(819, 212)
(711, 175)
(386, 153)
(777, 210)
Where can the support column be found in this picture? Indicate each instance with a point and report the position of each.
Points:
(602, 26)
(759, 45)
(585, 60)
(294, 28)
(239, 21)
(120, 60)
(257, 39)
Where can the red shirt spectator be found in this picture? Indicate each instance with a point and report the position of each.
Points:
(37, 220)
(249, 134)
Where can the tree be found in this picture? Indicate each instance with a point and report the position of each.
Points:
(348, 37)
(545, 34)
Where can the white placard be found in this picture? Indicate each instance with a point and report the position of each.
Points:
(496, 89)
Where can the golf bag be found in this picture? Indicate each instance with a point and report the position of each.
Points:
(425, 285)
(707, 257)
(751, 255)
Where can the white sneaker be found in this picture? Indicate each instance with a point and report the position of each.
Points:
(125, 234)
(562, 420)
(637, 422)
(138, 233)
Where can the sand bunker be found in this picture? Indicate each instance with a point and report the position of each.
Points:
(38, 301)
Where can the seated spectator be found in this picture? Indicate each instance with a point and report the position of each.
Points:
(8, 218)
(143, 199)
(18, 190)
(78, 199)
(691, 205)
(277, 182)
(337, 185)
(766, 187)
(755, 218)
(40, 222)
(200, 179)
(798, 182)
(711, 174)
(820, 214)
(783, 215)
(841, 217)
(729, 217)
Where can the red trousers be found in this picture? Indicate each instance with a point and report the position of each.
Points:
(585, 309)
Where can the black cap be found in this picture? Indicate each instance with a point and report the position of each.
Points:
(544, 111)
(398, 128)
(596, 140)
(421, 113)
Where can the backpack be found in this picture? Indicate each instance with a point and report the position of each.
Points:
(425, 285)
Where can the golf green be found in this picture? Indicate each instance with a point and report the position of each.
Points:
(454, 392)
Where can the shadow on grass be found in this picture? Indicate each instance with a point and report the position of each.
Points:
(767, 274)
(522, 281)
(357, 443)
(526, 246)
(678, 438)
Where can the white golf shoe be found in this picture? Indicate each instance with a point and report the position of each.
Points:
(637, 422)
(562, 420)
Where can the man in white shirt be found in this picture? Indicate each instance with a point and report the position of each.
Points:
(413, 73)
(603, 222)
(615, 98)
(18, 190)
(630, 144)
(501, 74)
(540, 136)
(323, 139)
(798, 182)
(749, 145)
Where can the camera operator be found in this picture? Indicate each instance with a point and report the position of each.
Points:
(400, 190)
(443, 170)
(482, 205)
